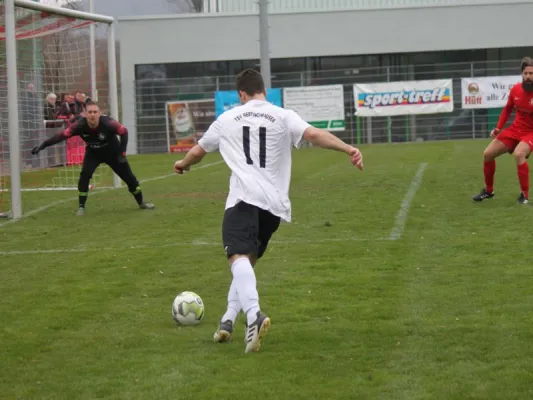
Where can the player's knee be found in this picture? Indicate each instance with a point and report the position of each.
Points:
(520, 155)
(234, 257)
(254, 259)
(488, 154)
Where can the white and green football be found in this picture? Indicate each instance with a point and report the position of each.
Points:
(188, 308)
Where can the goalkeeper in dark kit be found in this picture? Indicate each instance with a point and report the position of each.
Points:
(99, 132)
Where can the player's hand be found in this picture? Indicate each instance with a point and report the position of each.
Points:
(122, 158)
(180, 167)
(36, 150)
(495, 132)
(356, 157)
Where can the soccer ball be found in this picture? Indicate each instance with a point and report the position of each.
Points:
(188, 308)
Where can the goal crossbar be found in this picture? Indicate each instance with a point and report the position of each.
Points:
(32, 5)
(72, 19)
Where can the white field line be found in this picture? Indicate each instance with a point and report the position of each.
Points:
(401, 217)
(176, 244)
(56, 203)
(396, 233)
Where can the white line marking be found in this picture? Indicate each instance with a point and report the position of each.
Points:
(56, 203)
(207, 165)
(401, 217)
(176, 244)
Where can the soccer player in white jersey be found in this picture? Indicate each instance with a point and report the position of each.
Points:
(255, 140)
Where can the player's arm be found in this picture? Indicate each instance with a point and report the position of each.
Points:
(506, 113)
(326, 140)
(122, 132)
(57, 138)
(318, 137)
(193, 156)
(207, 144)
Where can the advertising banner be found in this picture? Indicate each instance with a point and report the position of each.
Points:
(187, 121)
(227, 99)
(320, 106)
(487, 92)
(403, 98)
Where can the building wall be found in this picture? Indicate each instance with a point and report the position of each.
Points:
(201, 37)
(284, 6)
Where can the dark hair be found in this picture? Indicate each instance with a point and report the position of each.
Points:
(250, 82)
(89, 102)
(526, 62)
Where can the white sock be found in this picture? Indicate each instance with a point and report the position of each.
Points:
(245, 283)
(234, 305)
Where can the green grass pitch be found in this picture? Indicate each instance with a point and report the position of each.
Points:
(387, 285)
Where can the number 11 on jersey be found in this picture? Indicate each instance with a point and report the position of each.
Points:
(262, 145)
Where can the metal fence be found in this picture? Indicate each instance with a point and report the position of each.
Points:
(152, 94)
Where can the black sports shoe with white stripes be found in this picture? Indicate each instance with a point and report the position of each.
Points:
(255, 332)
(483, 195)
(522, 199)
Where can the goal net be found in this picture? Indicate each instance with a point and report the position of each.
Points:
(55, 76)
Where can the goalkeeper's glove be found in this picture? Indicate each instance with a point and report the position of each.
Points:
(122, 158)
(37, 149)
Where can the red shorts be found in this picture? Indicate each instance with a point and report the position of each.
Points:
(511, 136)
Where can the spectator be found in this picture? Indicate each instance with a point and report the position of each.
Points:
(72, 110)
(31, 119)
(69, 109)
(30, 104)
(50, 109)
(80, 102)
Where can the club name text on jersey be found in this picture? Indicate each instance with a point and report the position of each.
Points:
(250, 114)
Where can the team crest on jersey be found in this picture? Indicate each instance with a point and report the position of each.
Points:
(101, 136)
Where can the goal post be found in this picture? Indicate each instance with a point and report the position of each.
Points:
(26, 31)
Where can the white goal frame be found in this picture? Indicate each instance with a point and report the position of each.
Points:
(12, 90)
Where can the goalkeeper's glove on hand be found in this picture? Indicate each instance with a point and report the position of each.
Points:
(37, 149)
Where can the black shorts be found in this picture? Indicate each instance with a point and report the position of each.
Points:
(247, 229)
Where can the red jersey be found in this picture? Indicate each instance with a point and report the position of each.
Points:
(523, 102)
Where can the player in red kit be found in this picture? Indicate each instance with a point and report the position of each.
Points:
(516, 139)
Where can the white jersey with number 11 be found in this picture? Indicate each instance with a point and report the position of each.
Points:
(255, 140)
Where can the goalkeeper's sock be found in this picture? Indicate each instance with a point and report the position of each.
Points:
(82, 196)
(138, 194)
